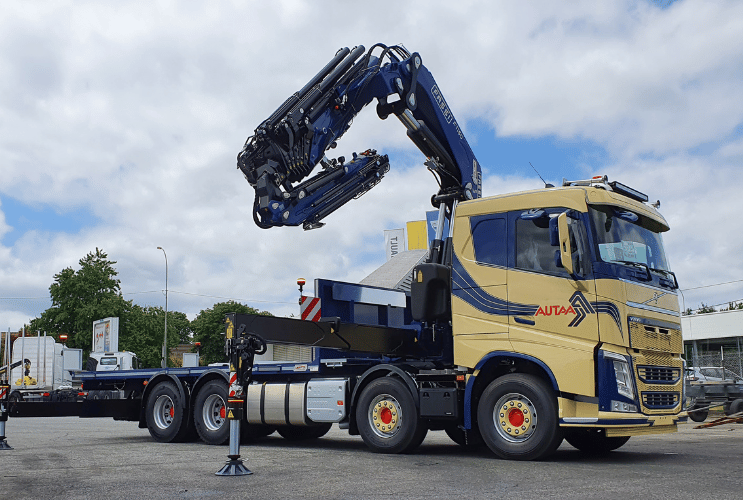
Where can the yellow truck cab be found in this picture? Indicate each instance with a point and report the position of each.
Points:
(571, 285)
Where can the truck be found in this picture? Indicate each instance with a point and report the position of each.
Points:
(536, 316)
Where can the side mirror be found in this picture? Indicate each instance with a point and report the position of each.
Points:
(566, 251)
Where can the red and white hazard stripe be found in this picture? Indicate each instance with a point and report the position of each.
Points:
(309, 308)
(234, 388)
(4, 389)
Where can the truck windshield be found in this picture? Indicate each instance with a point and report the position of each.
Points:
(622, 237)
(108, 361)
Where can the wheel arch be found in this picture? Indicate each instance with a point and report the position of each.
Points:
(375, 373)
(497, 364)
(208, 376)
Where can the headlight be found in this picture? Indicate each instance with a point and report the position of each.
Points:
(625, 386)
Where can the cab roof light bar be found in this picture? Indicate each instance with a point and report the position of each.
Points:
(602, 181)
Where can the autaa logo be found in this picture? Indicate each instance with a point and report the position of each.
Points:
(579, 307)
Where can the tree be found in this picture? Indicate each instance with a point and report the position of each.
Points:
(81, 297)
(208, 328)
(142, 330)
(704, 309)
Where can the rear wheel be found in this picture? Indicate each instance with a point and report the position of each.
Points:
(303, 433)
(594, 441)
(387, 417)
(210, 413)
(736, 406)
(517, 418)
(166, 416)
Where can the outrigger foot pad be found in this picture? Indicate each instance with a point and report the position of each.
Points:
(233, 468)
(4, 445)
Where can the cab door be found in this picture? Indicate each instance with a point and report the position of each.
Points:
(479, 292)
(552, 318)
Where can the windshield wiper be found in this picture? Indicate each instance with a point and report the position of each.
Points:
(645, 267)
(668, 274)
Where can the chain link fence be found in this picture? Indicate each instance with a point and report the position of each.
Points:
(732, 360)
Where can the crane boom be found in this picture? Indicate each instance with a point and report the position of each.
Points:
(279, 159)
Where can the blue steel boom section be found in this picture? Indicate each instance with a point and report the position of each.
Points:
(285, 149)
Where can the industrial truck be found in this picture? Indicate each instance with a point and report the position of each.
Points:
(537, 316)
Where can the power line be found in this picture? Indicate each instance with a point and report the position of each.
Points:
(708, 286)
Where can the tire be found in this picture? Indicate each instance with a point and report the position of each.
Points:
(698, 415)
(387, 417)
(517, 418)
(594, 441)
(15, 397)
(469, 440)
(291, 433)
(210, 413)
(166, 415)
(250, 433)
(736, 406)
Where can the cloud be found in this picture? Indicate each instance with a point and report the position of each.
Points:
(134, 113)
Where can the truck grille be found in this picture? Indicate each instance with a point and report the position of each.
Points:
(659, 374)
(660, 400)
(659, 381)
(654, 338)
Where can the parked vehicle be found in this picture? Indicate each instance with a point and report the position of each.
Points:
(710, 386)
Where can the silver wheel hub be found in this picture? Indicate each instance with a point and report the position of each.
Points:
(515, 417)
(163, 411)
(213, 412)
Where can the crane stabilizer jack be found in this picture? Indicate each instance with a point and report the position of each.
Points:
(279, 158)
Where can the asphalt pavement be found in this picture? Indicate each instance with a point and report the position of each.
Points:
(75, 458)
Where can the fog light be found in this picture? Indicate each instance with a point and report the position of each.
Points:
(623, 407)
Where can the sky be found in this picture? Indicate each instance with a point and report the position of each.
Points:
(120, 123)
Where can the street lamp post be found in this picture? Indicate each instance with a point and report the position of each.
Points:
(165, 337)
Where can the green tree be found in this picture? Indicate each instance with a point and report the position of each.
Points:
(704, 309)
(81, 297)
(142, 330)
(208, 328)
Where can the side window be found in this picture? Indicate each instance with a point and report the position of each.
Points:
(533, 249)
(534, 252)
(489, 239)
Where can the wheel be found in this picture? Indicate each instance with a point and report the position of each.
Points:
(736, 406)
(15, 397)
(210, 413)
(594, 441)
(387, 417)
(166, 414)
(292, 433)
(251, 432)
(698, 415)
(517, 418)
(469, 440)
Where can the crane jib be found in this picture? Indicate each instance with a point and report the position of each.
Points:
(280, 160)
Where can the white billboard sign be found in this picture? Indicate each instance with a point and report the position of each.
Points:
(106, 335)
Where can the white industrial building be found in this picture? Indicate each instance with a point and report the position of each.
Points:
(714, 339)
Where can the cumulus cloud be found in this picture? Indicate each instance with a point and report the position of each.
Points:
(135, 112)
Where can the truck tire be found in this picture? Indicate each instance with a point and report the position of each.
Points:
(517, 418)
(15, 397)
(291, 433)
(249, 433)
(166, 415)
(698, 415)
(210, 413)
(736, 406)
(471, 441)
(387, 417)
(594, 441)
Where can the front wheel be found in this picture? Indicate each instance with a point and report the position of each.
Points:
(594, 441)
(698, 415)
(517, 418)
(387, 417)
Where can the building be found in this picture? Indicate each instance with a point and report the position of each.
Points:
(714, 339)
